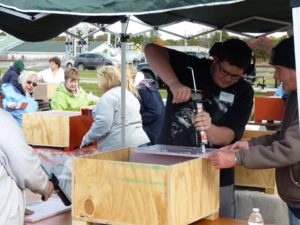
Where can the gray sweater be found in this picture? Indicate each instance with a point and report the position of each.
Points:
(19, 169)
(281, 151)
(106, 128)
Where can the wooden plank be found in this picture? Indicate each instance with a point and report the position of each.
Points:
(248, 134)
(56, 128)
(199, 181)
(44, 91)
(48, 128)
(262, 178)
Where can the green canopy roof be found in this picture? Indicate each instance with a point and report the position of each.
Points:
(43, 19)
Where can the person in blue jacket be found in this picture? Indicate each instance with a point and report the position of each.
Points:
(17, 101)
(13, 73)
(152, 106)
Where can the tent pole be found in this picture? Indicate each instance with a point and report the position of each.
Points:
(296, 27)
(124, 24)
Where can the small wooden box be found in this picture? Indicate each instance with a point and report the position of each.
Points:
(260, 178)
(130, 187)
(56, 128)
(44, 91)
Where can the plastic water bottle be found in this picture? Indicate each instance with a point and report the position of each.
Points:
(255, 218)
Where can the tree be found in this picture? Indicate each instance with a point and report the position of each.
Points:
(215, 37)
(261, 47)
(137, 39)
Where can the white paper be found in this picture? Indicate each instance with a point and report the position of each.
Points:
(46, 209)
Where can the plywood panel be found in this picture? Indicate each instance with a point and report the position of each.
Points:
(56, 128)
(109, 189)
(44, 91)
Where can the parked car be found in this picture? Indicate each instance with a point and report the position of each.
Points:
(134, 57)
(149, 74)
(198, 54)
(93, 61)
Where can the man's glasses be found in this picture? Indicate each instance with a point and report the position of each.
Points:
(225, 73)
(34, 84)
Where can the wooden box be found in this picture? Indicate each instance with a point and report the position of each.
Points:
(56, 128)
(268, 108)
(260, 178)
(44, 91)
(130, 187)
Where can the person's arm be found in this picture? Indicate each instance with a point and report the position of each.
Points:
(158, 59)
(282, 152)
(217, 135)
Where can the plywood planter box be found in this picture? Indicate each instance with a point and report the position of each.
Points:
(56, 128)
(130, 187)
(260, 178)
(44, 91)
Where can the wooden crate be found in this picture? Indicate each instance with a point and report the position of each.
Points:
(260, 178)
(56, 128)
(130, 187)
(44, 91)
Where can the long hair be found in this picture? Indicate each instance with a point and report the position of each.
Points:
(110, 77)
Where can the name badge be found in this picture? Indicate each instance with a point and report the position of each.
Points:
(226, 97)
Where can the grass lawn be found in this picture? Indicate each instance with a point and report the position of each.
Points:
(267, 72)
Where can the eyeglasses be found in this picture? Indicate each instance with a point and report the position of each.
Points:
(34, 84)
(225, 73)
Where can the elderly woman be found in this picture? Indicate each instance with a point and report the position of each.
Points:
(69, 96)
(106, 128)
(17, 101)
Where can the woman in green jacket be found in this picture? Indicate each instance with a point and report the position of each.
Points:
(69, 96)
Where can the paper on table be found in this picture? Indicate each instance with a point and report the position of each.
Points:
(46, 209)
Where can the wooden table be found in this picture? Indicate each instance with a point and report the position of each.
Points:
(65, 219)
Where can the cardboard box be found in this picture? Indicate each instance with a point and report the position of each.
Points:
(56, 128)
(128, 186)
(44, 91)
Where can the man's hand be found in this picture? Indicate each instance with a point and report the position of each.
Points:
(223, 159)
(84, 142)
(181, 93)
(28, 212)
(202, 121)
(12, 105)
(49, 191)
(239, 145)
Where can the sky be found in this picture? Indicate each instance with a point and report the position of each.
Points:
(182, 28)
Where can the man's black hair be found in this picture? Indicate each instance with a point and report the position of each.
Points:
(236, 53)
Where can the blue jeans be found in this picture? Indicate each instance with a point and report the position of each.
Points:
(294, 218)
